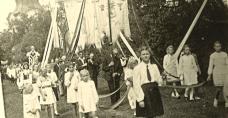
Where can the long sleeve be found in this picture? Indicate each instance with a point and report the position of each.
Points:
(194, 64)
(137, 85)
(66, 80)
(211, 65)
(80, 100)
(165, 62)
(158, 75)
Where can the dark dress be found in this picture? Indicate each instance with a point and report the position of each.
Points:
(152, 99)
(93, 68)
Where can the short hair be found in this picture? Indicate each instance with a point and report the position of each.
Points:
(143, 48)
(217, 42)
(170, 46)
(186, 46)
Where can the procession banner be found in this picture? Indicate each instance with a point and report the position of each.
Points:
(72, 8)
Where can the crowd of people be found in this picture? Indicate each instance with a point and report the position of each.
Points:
(77, 79)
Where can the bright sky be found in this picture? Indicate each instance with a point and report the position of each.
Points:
(7, 6)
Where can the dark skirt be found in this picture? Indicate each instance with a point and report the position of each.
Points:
(152, 99)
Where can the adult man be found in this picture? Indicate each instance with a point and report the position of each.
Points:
(33, 56)
(93, 67)
(113, 70)
(146, 78)
(81, 63)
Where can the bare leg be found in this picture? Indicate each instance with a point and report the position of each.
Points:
(52, 111)
(93, 115)
(191, 94)
(186, 92)
(38, 114)
(55, 108)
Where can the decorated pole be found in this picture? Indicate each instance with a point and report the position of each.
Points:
(2, 108)
(110, 21)
(177, 53)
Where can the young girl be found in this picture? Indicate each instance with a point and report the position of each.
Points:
(30, 102)
(72, 78)
(47, 94)
(188, 71)
(87, 95)
(170, 64)
(218, 68)
(54, 80)
(25, 76)
(128, 75)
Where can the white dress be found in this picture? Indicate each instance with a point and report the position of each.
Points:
(170, 65)
(71, 82)
(46, 87)
(30, 102)
(189, 69)
(35, 76)
(218, 66)
(128, 73)
(87, 96)
(24, 77)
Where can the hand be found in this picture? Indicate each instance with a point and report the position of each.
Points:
(114, 74)
(209, 78)
(84, 65)
(83, 109)
(44, 99)
(111, 63)
(142, 104)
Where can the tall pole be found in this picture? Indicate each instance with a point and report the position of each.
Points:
(110, 22)
(2, 108)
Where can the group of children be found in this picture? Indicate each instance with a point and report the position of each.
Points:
(38, 90)
(186, 70)
(38, 85)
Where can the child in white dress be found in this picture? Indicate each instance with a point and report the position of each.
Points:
(188, 71)
(47, 94)
(87, 95)
(25, 76)
(128, 76)
(218, 68)
(170, 65)
(30, 102)
(72, 78)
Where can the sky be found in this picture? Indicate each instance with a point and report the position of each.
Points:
(7, 6)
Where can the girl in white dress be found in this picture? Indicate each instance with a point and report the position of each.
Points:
(72, 78)
(25, 76)
(188, 71)
(170, 65)
(128, 76)
(31, 103)
(218, 68)
(47, 95)
(87, 95)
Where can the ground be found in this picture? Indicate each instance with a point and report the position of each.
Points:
(173, 108)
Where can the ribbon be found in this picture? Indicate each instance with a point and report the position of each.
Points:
(110, 94)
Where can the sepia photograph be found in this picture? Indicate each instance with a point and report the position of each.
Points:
(114, 59)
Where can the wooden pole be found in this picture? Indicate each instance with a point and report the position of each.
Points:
(110, 21)
(177, 53)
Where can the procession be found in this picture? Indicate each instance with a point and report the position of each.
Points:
(87, 59)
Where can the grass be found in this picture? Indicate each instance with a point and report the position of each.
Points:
(173, 108)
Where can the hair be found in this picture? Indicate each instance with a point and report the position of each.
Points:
(143, 48)
(187, 46)
(131, 61)
(25, 63)
(170, 46)
(217, 42)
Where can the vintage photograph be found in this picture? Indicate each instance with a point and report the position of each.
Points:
(114, 59)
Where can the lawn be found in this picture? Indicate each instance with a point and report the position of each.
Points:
(173, 108)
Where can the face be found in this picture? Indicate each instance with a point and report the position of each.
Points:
(170, 50)
(32, 48)
(187, 50)
(85, 76)
(217, 47)
(26, 66)
(91, 55)
(49, 69)
(115, 51)
(145, 56)
(35, 68)
(71, 68)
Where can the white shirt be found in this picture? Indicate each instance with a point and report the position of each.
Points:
(140, 78)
